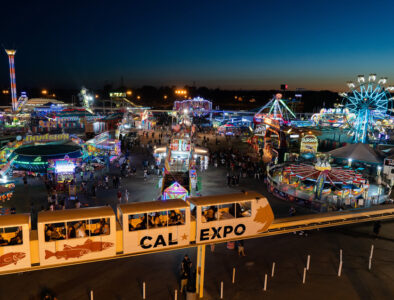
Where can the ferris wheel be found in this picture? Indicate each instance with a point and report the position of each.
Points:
(369, 101)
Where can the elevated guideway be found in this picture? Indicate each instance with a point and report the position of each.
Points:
(278, 227)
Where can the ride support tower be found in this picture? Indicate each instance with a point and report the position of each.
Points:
(11, 60)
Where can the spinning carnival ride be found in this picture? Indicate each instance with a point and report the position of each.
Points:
(277, 110)
(369, 101)
(323, 180)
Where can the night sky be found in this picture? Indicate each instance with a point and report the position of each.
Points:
(226, 44)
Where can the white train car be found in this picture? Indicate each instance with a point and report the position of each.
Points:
(224, 217)
(14, 242)
(155, 225)
(73, 235)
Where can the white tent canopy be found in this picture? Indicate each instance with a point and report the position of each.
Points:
(357, 152)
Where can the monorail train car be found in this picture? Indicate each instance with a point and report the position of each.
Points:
(154, 225)
(14, 242)
(66, 236)
(87, 234)
(232, 216)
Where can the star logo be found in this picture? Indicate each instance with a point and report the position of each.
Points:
(184, 237)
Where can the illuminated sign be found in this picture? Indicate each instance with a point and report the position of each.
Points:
(272, 123)
(117, 95)
(309, 144)
(64, 167)
(46, 137)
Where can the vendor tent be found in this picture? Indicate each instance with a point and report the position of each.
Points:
(357, 152)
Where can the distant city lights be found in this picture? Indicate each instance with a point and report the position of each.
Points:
(181, 92)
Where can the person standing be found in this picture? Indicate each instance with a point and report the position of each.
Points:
(376, 228)
(185, 271)
(119, 194)
(126, 196)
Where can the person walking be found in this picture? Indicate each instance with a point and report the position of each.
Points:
(376, 228)
(119, 194)
(241, 249)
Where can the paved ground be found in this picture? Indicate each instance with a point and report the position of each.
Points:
(122, 278)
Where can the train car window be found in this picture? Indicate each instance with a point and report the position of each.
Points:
(193, 210)
(209, 213)
(157, 219)
(243, 210)
(138, 222)
(11, 236)
(99, 226)
(78, 229)
(226, 211)
(176, 217)
(55, 232)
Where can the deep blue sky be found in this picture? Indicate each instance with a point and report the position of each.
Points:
(226, 44)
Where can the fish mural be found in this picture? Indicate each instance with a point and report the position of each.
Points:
(79, 250)
(11, 258)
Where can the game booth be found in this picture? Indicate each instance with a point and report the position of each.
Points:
(175, 191)
(63, 169)
(102, 145)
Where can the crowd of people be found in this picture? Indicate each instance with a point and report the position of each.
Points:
(15, 240)
(76, 230)
(155, 220)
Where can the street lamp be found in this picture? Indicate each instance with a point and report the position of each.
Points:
(44, 92)
(379, 169)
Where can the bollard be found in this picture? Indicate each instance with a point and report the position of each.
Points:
(91, 294)
(273, 269)
(308, 262)
(221, 290)
(233, 275)
(340, 254)
(304, 276)
(143, 290)
(176, 295)
(265, 282)
(340, 269)
(371, 253)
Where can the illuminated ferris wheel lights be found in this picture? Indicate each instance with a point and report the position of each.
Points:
(343, 94)
(371, 77)
(390, 88)
(350, 84)
(361, 78)
(382, 80)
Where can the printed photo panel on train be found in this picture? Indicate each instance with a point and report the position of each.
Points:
(73, 235)
(150, 226)
(14, 242)
(231, 216)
